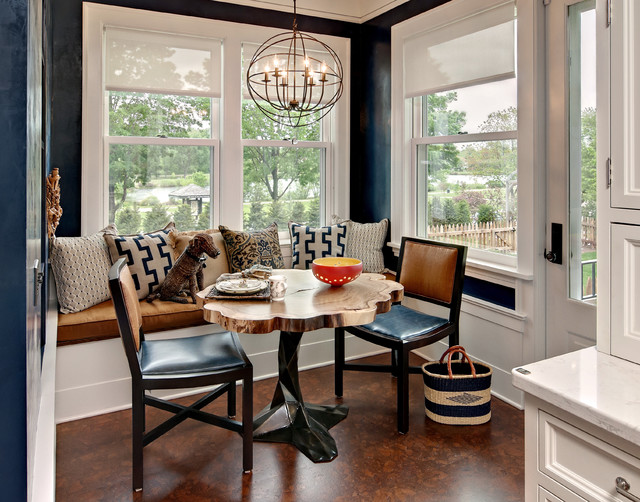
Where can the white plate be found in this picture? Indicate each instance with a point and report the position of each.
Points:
(241, 286)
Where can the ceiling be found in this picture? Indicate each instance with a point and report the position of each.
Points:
(354, 11)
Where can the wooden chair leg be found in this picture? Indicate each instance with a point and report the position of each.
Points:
(231, 400)
(137, 434)
(403, 391)
(339, 361)
(247, 424)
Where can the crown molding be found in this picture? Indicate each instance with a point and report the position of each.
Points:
(353, 11)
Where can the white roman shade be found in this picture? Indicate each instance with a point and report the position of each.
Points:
(470, 51)
(164, 63)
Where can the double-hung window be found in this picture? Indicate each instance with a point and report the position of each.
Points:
(459, 95)
(170, 133)
(285, 169)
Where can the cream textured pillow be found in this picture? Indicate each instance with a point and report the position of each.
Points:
(365, 242)
(149, 257)
(309, 243)
(80, 267)
(213, 267)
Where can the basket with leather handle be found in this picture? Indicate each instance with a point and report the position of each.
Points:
(457, 392)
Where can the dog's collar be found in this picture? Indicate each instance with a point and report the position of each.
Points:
(196, 258)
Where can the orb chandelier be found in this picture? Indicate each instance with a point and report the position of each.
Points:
(294, 78)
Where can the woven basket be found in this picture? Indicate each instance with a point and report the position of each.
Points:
(457, 392)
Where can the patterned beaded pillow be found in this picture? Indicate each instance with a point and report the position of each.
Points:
(149, 257)
(80, 267)
(309, 243)
(365, 242)
(245, 249)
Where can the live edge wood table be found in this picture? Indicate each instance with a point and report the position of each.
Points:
(308, 305)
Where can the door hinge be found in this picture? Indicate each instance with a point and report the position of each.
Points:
(546, 2)
(608, 172)
(608, 13)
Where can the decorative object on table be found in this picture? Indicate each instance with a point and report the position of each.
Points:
(336, 271)
(365, 241)
(148, 255)
(294, 78)
(186, 273)
(213, 267)
(278, 286)
(433, 273)
(245, 249)
(309, 243)
(457, 392)
(80, 266)
(54, 211)
(258, 271)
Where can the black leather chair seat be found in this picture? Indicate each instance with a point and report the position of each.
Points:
(402, 323)
(192, 355)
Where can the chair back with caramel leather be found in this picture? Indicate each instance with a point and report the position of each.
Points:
(125, 302)
(433, 272)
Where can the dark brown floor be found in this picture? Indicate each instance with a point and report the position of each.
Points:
(198, 462)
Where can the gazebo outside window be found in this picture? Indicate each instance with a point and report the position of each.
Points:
(190, 194)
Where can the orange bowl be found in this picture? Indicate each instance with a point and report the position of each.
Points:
(336, 271)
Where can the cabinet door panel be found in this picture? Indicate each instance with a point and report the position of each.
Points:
(625, 291)
(567, 496)
(625, 108)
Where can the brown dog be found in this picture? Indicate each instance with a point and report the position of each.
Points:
(186, 273)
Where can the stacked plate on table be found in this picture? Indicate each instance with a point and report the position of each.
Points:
(241, 286)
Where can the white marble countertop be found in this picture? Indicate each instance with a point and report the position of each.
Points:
(599, 388)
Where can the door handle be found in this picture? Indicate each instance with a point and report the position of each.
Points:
(554, 255)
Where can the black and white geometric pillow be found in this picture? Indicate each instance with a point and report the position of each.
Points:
(309, 243)
(149, 257)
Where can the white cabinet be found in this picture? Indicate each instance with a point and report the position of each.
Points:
(625, 294)
(619, 194)
(577, 461)
(625, 105)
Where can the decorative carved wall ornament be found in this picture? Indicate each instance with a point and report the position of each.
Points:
(54, 211)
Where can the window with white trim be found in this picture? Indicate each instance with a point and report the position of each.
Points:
(459, 121)
(284, 168)
(162, 93)
(168, 133)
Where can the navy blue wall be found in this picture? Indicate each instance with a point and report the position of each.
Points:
(13, 117)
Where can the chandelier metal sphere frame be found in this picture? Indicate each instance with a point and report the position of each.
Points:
(288, 80)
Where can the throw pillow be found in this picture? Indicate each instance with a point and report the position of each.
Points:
(245, 249)
(365, 242)
(148, 256)
(81, 267)
(309, 243)
(212, 267)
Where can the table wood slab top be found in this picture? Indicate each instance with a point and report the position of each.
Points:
(308, 305)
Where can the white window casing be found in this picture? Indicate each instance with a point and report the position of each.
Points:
(196, 41)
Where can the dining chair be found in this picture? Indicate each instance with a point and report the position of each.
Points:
(432, 272)
(177, 363)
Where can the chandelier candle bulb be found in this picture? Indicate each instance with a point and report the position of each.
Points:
(292, 101)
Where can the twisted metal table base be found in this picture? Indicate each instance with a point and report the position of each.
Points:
(288, 419)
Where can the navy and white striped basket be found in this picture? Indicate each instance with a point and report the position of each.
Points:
(457, 392)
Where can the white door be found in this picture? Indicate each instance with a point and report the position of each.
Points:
(571, 175)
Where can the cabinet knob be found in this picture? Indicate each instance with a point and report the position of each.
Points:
(623, 487)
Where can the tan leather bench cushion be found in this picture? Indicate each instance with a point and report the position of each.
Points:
(99, 322)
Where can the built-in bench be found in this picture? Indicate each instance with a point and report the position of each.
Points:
(92, 375)
(99, 322)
